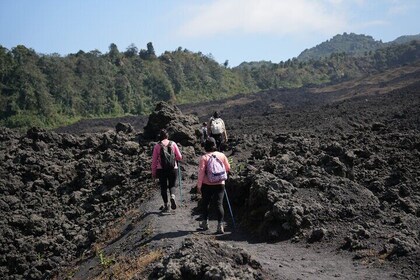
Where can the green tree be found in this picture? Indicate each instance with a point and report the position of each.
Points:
(157, 86)
(124, 93)
(131, 51)
(114, 54)
(151, 50)
(149, 53)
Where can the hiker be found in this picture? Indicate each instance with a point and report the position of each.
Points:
(164, 167)
(212, 184)
(216, 129)
(204, 134)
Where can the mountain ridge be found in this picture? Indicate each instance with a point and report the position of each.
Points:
(350, 43)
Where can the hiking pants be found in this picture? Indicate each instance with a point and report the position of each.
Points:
(208, 191)
(219, 139)
(167, 180)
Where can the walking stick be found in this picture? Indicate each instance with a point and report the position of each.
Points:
(230, 209)
(180, 183)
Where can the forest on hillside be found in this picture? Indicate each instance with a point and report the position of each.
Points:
(52, 90)
(351, 44)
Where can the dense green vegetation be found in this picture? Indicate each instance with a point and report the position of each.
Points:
(50, 90)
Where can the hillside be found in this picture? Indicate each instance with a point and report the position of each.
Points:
(405, 39)
(351, 44)
(49, 91)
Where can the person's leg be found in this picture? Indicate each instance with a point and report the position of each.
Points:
(206, 197)
(219, 142)
(172, 176)
(163, 183)
(217, 139)
(220, 193)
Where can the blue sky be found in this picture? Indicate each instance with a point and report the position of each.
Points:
(233, 30)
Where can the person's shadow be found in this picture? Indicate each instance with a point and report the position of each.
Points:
(174, 234)
(157, 213)
(160, 236)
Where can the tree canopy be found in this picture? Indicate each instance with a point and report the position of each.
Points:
(50, 90)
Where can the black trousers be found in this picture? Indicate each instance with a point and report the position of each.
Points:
(167, 180)
(219, 140)
(208, 191)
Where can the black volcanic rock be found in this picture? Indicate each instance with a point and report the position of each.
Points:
(58, 192)
(199, 258)
(181, 128)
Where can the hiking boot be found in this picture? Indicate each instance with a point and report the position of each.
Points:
(204, 225)
(164, 208)
(173, 204)
(220, 228)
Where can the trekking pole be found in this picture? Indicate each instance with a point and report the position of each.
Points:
(230, 209)
(180, 183)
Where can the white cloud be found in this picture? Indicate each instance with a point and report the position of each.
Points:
(277, 17)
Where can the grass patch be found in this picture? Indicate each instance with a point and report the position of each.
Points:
(104, 260)
(125, 268)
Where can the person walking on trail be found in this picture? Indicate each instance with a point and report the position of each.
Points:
(216, 129)
(212, 173)
(164, 167)
(204, 133)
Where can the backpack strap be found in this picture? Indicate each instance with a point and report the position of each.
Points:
(169, 144)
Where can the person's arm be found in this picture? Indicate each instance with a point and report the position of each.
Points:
(209, 127)
(226, 163)
(178, 155)
(224, 131)
(156, 151)
(201, 173)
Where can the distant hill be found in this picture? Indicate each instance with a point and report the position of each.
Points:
(405, 39)
(351, 44)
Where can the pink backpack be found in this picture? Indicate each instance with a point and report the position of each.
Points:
(216, 171)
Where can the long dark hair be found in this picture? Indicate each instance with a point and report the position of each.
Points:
(163, 134)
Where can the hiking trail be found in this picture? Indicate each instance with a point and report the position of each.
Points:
(166, 232)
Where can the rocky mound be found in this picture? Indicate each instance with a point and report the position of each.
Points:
(206, 259)
(182, 128)
(59, 192)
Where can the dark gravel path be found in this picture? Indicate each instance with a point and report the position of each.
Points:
(167, 232)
